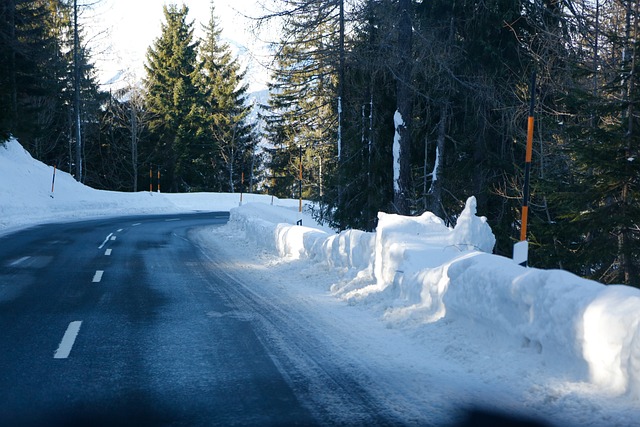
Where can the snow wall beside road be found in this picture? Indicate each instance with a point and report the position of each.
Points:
(416, 270)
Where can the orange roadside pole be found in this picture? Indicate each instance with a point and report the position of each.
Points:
(520, 250)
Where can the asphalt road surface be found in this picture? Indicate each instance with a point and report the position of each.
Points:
(127, 321)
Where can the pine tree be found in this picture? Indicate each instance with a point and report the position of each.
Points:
(36, 89)
(171, 83)
(226, 138)
(34, 72)
(7, 67)
(363, 184)
(468, 108)
(49, 127)
(600, 204)
(302, 110)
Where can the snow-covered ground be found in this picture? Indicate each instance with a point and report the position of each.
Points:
(438, 318)
(26, 195)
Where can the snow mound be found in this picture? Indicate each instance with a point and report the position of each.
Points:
(417, 271)
(473, 231)
(611, 338)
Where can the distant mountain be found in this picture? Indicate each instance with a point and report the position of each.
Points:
(257, 99)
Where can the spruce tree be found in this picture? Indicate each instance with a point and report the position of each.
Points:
(36, 80)
(302, 109)
(52, 103)
(172, 96)
(363, 184)
(34, 72)
(7, 67)
(226, 139)
(600, 200)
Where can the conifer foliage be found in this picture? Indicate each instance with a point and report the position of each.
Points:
(227, 138)
(458, 74)
(36, 79)
(301, 117)
(200, 138)
(172, 73)
(598, 201)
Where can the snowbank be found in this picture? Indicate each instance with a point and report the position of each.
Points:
(416, 270)
(26, 195)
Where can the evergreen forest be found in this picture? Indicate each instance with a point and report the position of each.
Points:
(400, 106)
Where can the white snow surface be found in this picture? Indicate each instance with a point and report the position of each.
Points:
(26, 197)
(453, 323)
(434, 172)
(398, 122)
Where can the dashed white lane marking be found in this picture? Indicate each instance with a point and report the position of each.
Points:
(119, 230)
(136, 224)
(172, 219)
(19, 261)
(105, 241)
(98, 276)
(68, 340)
(107, 252)
(113, 237)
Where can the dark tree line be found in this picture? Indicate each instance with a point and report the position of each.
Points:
(433, 107)
(186, 121)
(37, 80)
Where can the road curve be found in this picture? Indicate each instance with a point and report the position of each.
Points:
(129, 321)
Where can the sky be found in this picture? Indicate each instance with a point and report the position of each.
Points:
(127, 28)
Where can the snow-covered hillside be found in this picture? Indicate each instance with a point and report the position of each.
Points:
(564, 347)
(26, 195)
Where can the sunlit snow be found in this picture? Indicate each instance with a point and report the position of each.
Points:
(546, 342)
(398, 122)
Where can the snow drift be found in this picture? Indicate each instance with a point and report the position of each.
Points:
(417, 271)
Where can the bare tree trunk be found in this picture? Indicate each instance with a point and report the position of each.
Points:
(370, 202)
(253, 164)
(76, 89)
(624, 237)
(402, 119)
(435, 191)
(595, 50)
(425, 174)
(134, 145)
(231, 186)
(11, 21)
(340, 77)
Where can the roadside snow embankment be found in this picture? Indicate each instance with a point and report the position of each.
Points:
(29, 195)
(417, 271)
